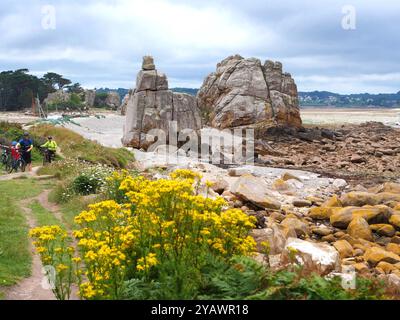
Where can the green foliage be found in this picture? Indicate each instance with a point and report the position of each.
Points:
(111, 187)
(75, 88)
(100, 100)
(242, 278)
(55, 81)
(85, 184)
(17, 88)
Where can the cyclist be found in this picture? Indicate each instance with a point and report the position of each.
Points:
(51, 146)
(26, 146)
(15, 151)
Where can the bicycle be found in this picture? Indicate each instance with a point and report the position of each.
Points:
(6, 158)
(48, 156)
(18, 164)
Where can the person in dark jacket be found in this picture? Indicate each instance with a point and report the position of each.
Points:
(26, 146)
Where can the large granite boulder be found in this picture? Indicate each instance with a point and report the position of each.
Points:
(113, 100)
(245, 92)
(153, 106)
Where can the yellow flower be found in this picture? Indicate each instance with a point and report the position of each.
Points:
(40, 249)
(209, 184)
(76, 259)
(61, 267)
(90, 255)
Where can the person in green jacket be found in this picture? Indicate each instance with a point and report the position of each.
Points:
(51, 146)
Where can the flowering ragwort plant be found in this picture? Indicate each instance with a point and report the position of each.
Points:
(163, 228)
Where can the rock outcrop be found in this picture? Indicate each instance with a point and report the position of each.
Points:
(152, 106)
(57, 97)
(124, 103)
(90, 96)
(113, 100)
(245, 92)
(60, 96)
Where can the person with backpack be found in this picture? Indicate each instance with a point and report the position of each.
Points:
(26, 146)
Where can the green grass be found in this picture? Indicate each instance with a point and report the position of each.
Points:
(15, 258)
(43, 216)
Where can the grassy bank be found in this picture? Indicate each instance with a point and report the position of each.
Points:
(74, 146)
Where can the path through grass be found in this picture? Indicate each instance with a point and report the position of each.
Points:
(15, 258)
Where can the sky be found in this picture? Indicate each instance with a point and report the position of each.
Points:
(350, 46)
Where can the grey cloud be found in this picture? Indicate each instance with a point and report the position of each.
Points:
(109, 38)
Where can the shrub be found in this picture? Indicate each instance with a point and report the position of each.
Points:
(165, 233)
(85, 184)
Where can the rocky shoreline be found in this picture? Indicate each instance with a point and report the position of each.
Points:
(366, 154)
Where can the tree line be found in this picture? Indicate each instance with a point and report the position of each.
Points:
(18, 88)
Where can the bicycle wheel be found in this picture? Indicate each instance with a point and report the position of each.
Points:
(10, 166)
(21, 165)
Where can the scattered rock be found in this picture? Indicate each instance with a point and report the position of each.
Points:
(395, 220)
(301, 203)
(393, 247)
(339, 183)
(288, 176)
(383, 229)
(386, 267)
(321, 231)
(359, 228)
(297, 225)
(344, 248)
(313, 256)
(333, 201)
(355, 158)
(280, 185)
(321, 213)
(329, 238)
(374, 255)
(237, 172)
(272, 237)
(360, 267)
(220, 185)
(256, 191)
(277, 216)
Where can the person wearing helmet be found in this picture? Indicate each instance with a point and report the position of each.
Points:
(51, 146)
(26, 146)
(15, 155)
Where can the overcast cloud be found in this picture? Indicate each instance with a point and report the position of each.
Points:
(101, 43)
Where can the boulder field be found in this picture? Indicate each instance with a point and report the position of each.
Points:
(322, 223)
